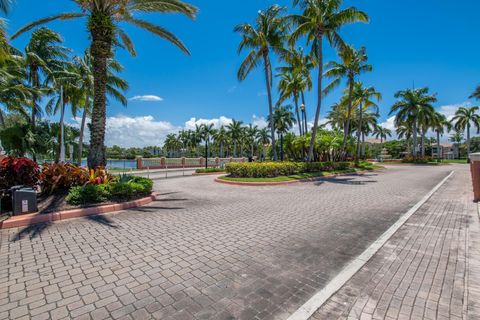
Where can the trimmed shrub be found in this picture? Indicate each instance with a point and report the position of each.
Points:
(62, 176)
(88, 194)
(276, 169)
(209, 170)
(418, 159)
(18, 171)
(262, 169)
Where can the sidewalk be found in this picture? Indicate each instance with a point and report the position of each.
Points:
(429, 269)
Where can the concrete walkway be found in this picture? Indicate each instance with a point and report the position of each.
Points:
(430, 269)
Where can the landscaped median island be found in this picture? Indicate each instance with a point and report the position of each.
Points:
(63, 187)
(288, 172)
(209, 171)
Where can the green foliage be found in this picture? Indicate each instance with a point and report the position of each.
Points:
(88, 194)
(418, 159)
(127, 188)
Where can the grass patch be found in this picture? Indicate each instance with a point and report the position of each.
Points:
(461, 161)
(210, 170)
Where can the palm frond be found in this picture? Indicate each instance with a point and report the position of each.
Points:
(62, 16)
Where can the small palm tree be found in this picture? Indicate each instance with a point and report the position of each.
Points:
(251, 133)
(464, 119)
(353, 63)
(220, 137)
(321, 19)
(268, 34)
(363, 98)
(290, 86)
(382, 133)
(263, 138)
(206, 132)
(410, 105)
(104, 18)
(235, 133)
(283, 120)
(440, 125)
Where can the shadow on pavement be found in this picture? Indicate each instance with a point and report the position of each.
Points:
(348, 180)
(102, 219)
(32, 231)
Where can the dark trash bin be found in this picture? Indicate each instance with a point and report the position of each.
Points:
(24, 200)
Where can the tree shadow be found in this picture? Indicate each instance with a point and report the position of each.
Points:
(170, 200)
(154, 208)
(347, 180)
(103, 220)
(32, 231)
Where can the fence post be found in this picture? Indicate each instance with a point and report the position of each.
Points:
(139, 163)
(183, 165)
(202, 162)
(162, 162)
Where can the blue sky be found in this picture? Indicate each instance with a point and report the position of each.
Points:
(430, 43)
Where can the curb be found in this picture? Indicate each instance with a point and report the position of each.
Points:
(315, 302)
(35, 218)
(208, 174)
(260, 184)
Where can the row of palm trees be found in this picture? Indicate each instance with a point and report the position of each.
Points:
(45, 70)
(104, 20)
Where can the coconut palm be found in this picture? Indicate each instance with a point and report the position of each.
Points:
(104, 18)
(206, 132)
(353, 63)
(290, 85)
(410, 104)
(283, 120)
(263, 138)
(426, 118)
(463, 120)
(220, 137)
(266, 35)
(382, 133)
(299, 63)
(171, 144)
(234, 130)
(251, 133)
(363, 98)
(440, 125)
(115, 87)
(321, 19)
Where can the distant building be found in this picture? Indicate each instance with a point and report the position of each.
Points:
(447, 151)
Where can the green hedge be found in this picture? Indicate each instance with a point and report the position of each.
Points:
(277, 169)
(124, 190)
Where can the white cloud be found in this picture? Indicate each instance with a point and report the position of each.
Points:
(126, 131)
(217, 122)
(147, 97)
(260, 122)
(449, 110)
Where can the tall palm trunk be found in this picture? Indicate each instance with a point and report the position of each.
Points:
(82, 130)
(101, 49)
(35, 85)
(468, 140)
(304, 111)
(300, 126)
(438, 145)
(2, 119)
(281, 146)
(266, 63)
(320, 94)
(349, 115)
(363, 145)
(359, 134)
(422, 142)
(414, 133)
(221, 149)
(235, 148)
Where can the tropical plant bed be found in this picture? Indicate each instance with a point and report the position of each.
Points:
(209, 171)
(301, 177)
(83, 211)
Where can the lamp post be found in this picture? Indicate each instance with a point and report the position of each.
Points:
(206, 152)
(304, 116)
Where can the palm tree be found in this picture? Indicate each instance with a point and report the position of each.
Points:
(411, 103)
(235, 132)
(463, 120)
(220, 137)
(369, 122)
(353, 63)
(382, 133)
(263, 138)
(44, 55)
(104, 17)
(206, 132)
(363, 98)
(114, 87)
(283, 120)
(299, 63)
(251, 133)
(290, 85)
(268, 34)
(319, 19)
(439, 124)
(171, 144)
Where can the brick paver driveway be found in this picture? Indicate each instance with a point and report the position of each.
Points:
(204, 250)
